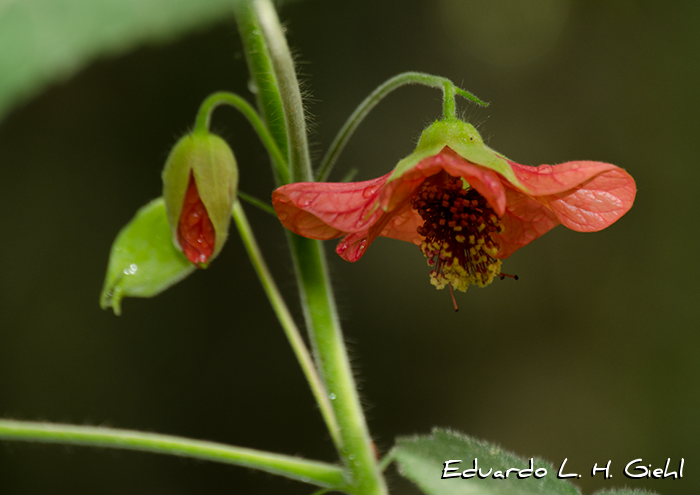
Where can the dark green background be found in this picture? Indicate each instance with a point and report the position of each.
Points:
(592, 355)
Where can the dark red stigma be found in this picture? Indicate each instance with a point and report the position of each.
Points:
(195, 232)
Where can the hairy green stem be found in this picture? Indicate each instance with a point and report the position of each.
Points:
(287, 321)
(449, 105)
(317, 473)
(375, 97)
(262, 75)
(316, 294)
(331, 355)
(285, 74)
(203, 120)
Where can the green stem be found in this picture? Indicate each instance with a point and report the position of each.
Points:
(329, 350)
(262, 75)
(375, 97)
(312, 274)
(387, 460)
(317, 473)
(449, 106)
(287, 321)
(285, 74)
(258, 203)
(224, 98)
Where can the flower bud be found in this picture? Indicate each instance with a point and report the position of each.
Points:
(143, 261)
(200, 179)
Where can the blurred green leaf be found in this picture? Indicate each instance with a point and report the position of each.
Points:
(422, 460)
(45, 40)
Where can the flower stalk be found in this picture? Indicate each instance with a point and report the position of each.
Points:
(203, 120)
(287, 321)
(404, 79)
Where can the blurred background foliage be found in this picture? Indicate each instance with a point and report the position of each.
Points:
(590, 356)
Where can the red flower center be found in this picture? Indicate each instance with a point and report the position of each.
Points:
(196, 233)
(457, 230)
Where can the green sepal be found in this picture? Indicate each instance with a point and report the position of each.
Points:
(464, 140)
(143, 261)
(211, 161)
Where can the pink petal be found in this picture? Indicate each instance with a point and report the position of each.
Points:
(404, 224)
(485, 181)
(524, 221)
(325, 210)
(595, 204)
(554, 179)
(354, 245)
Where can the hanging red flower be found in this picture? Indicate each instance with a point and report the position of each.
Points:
(465, 205)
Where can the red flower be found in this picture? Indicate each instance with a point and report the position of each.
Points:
(465, 205)
(195, 232)
(200, 179)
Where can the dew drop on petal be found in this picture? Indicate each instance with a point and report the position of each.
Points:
(283, 215)
(306, 200)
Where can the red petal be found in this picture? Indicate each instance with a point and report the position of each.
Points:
(585, 196)
(195, 233)
(325, 210)
(525, 220)
(401, 223)
(595, 204)
(554, 179)
(487, 182)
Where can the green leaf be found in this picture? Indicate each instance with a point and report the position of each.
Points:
(143, 261)
(45, 40)
(422, 460)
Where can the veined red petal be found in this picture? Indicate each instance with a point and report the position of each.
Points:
(487, 182)
(595, 204)
(325, 210)
(585, 196)
(524, 221)
(195, 233)
(400, 224)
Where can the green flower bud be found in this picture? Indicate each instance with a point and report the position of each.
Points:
(200, 179)
(143, 261)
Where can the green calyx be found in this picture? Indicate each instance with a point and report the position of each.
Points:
(143, 261)
(209, 159)
(464, 140)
